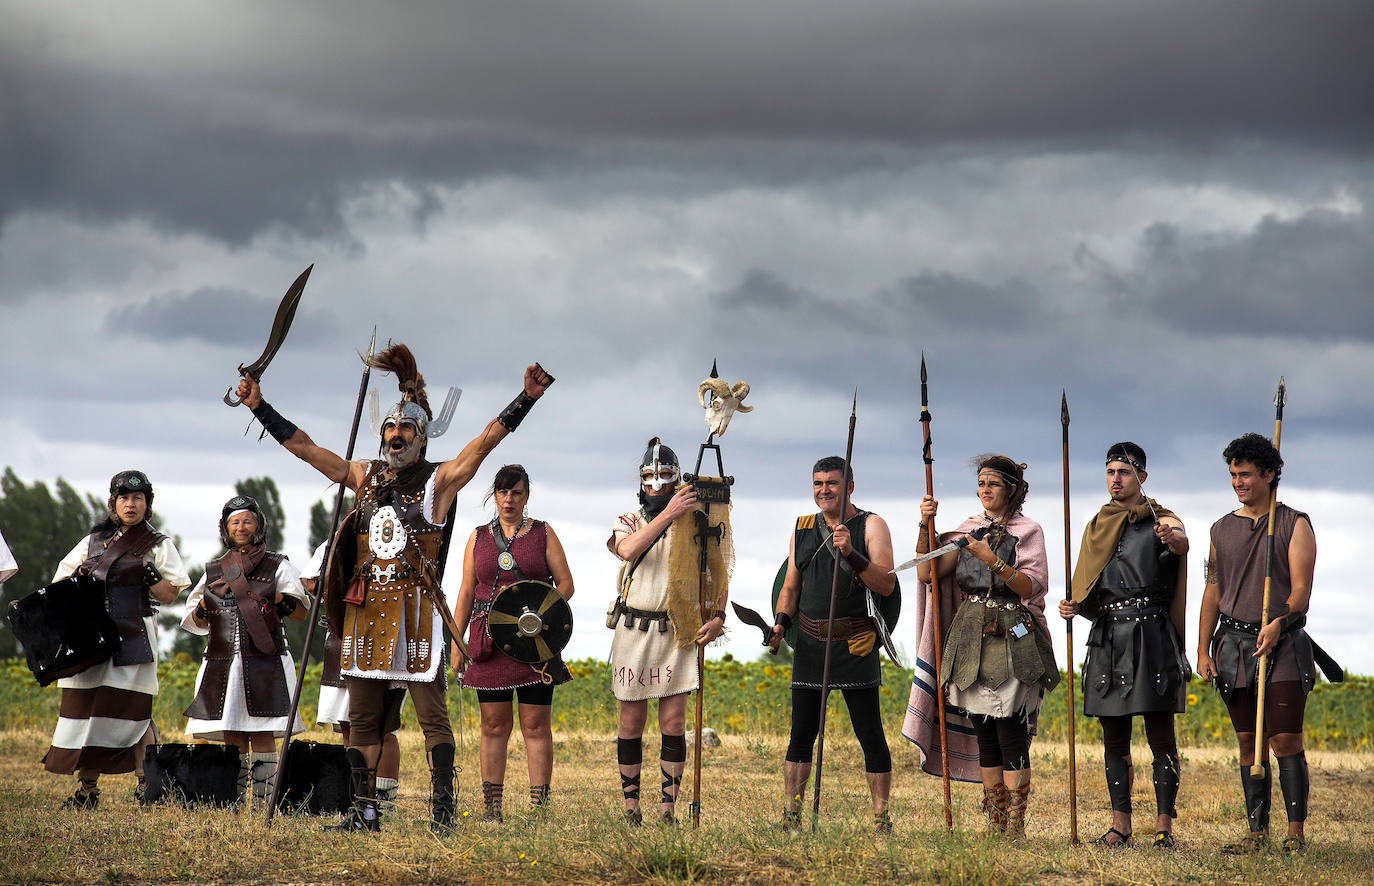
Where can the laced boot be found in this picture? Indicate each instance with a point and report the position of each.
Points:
(539, 800)
(996, 798)
(87, 795)
(387, 788)
(362, 815)
(243, 782)
(1018, 800)
(441, 789)
(493, 793)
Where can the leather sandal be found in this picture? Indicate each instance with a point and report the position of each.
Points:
(1252, 843)
(1164, 840)
(1122, 840)
(1295, 844)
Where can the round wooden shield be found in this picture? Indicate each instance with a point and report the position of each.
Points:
(530, 622)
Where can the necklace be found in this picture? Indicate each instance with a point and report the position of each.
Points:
(505, 559)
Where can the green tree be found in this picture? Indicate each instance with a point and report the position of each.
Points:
(264, 489)
(40, 529)
(320, 515)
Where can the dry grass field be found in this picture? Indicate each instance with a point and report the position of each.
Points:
(582, 839)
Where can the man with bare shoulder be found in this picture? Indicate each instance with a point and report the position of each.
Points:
(1231, 638)
(382, 587)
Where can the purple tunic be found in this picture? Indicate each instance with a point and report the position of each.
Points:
(501, 671)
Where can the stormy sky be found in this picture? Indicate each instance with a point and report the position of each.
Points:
(1157, 207)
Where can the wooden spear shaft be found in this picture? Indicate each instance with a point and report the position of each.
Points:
(935, 601)
(1068, 626)
(830, 621)
(1262, 674)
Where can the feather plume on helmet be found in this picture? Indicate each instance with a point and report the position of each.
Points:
(412, 410)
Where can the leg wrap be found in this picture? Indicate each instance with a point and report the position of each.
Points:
(1256, 792)
(672, 752)
(493, 793)
(1019, 799)
(1118, 781)
(1293, 783)
(1166, 774)
(629, 754)
(539, 795)
(673, 749)
(245, 778)
(386, 791)
(264, 774)
(363, 815)
(996, 799)
(441, 784)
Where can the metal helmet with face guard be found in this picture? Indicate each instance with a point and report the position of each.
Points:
(659, 467)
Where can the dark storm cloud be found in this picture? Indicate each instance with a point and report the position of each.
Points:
(1306, 278)
(234, 123)
(214, 316)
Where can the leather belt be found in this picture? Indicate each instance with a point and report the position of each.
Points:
(843, 627)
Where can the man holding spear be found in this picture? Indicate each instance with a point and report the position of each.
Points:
(386, 617)
(1241, 566)
(862, 543)
(1131, 582)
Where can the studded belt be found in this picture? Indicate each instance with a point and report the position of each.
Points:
(994, 602)
(1253, 627)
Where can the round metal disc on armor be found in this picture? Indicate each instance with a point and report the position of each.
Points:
(506, 561)
(530, 622)
(386, 534)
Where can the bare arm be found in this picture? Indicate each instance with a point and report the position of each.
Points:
(877, 575)
(462, 611)
(1302, 563)
(455, 473)
(639, 541)
(299, 444)
(943, 564)
(1207, 617)
(558, 565)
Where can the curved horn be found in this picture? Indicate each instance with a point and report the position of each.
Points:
(714, 385)
(740, 391)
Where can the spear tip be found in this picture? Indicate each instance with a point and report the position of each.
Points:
(714, 372)
(1063, 406)
(923, 367)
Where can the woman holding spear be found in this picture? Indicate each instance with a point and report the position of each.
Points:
(998, 659)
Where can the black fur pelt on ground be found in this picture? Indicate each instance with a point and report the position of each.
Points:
(317, 779)
(191, 774)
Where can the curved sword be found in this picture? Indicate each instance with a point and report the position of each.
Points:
(286, 312)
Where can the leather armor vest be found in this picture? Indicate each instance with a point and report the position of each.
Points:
(126, 595)
(396, 540)
(264, 684)
(1140, 565)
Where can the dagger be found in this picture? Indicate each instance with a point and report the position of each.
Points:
(955, 545)
(750, 617)
(281, 324)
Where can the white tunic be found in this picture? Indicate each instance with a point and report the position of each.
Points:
(235, 717)
(75, 733)
(648, 664)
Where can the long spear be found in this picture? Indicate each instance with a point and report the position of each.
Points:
(1068, 625)
(830, 621)
(319, 587)
(935, 598)
(1261, 752)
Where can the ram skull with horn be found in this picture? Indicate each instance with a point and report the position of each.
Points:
(726, 400)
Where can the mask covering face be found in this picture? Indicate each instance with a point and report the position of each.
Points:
(655, 503)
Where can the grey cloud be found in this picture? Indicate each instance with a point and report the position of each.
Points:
(229, 125)
(1307, 277)
(215, 316)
